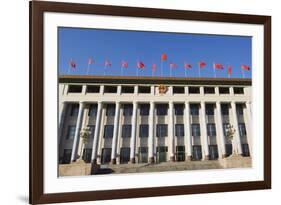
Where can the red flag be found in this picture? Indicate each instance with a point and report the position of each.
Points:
(72, 64)
(187, 66)
(90, 61)
(140, 64)
(217, 66)
(201, 64)
(107, 63)
(173, 65)
(229, 70)
(245, 67)
(124, 64)
(164, 57)
(154, 67)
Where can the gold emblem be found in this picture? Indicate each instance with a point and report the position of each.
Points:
(162, 89)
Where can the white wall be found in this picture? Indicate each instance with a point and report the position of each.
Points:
(14, 103)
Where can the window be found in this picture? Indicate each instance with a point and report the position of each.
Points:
(110, 110)
(143, 154)
(127, 89)
(144, 89)
(161, 130)
(228, 149)
(110, 89)
(180, 153)
(210, 109)
(93, 89)
(178, 90)
(144, 109)
(242, 129)
(66, 156)
(238, 90)
(126, 130)
(161, 109)
(195, 129)
(209, 90)
(211, 129)
(213, 152)
(223, 90)
(74, 110)
(193, 90)
(92, 110)
(87, 154)
(224, 109)
(124, 155)
(143, 131)
(239, 109)
(245, 150)
(75, 88)
(108, 131)
(179, 130)
(92, 130)
(225, 126)
(127, 109)
(161, 154)
(70, 132)
(178, 109)
(196, 152)
(105, 155)
(194, 109)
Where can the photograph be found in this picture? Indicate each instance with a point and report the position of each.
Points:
(134, 101)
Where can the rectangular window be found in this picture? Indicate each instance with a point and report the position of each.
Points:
(105, 155)
(224, 109)
(108, 131)
(93, 110)
(143, 154)
(144, 89)
(127, 89)
(242, 129)
(75, 88)
(161, 109)
(228, 149)
(87, 154)
(209, 109)
(213, 152)
(110, 110)
(180, 153)
(161, 130)
(74, 110)
(66, 156)
(179, 130)
(245, 150)
(110, 89)
(70, 132)
(92, 130)
(124, 155)
(211, 129)
(93, 89)
(127, 109)
(238, 90)
(194, 109)
(178, 90)
(196, 152)
(193, 90)
(239, 109)
(126, 130)
(195, 129)
(225, 126)
(224, 90)
(209, 90)
(144, 109)
(161, 154)
(143, 130)
(179, 109)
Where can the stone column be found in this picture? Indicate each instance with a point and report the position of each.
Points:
(96, 133)
(61, 119)
(187, 133)
(219, 128)
(133, 133)
(151, 134)
(171, 133)
(249, 125)
(236, 137)
(77, 131)
(115, 133)
(203, 128)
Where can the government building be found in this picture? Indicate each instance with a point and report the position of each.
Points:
(153, 120)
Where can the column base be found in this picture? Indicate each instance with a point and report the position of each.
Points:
(151, 160)
(113, 161)
(188, 158)
(132, 161)
(207, 157)
(223, 156)
(94, 161)
(172, 158)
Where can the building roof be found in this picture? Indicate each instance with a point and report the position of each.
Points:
(152, 80)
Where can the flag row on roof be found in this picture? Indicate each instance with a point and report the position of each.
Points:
(171, 65)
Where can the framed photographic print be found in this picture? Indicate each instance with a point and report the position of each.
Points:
(139, 102)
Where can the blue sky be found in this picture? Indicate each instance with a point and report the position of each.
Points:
(81, 44)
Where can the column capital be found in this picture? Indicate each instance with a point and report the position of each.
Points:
(81, 103)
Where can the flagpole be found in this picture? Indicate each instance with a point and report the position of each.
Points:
(170, 71)
(199, 71)
(69, 66)
(104, 67)
(185, 72)
(243, 73)
(88, 68)
(161, 68)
